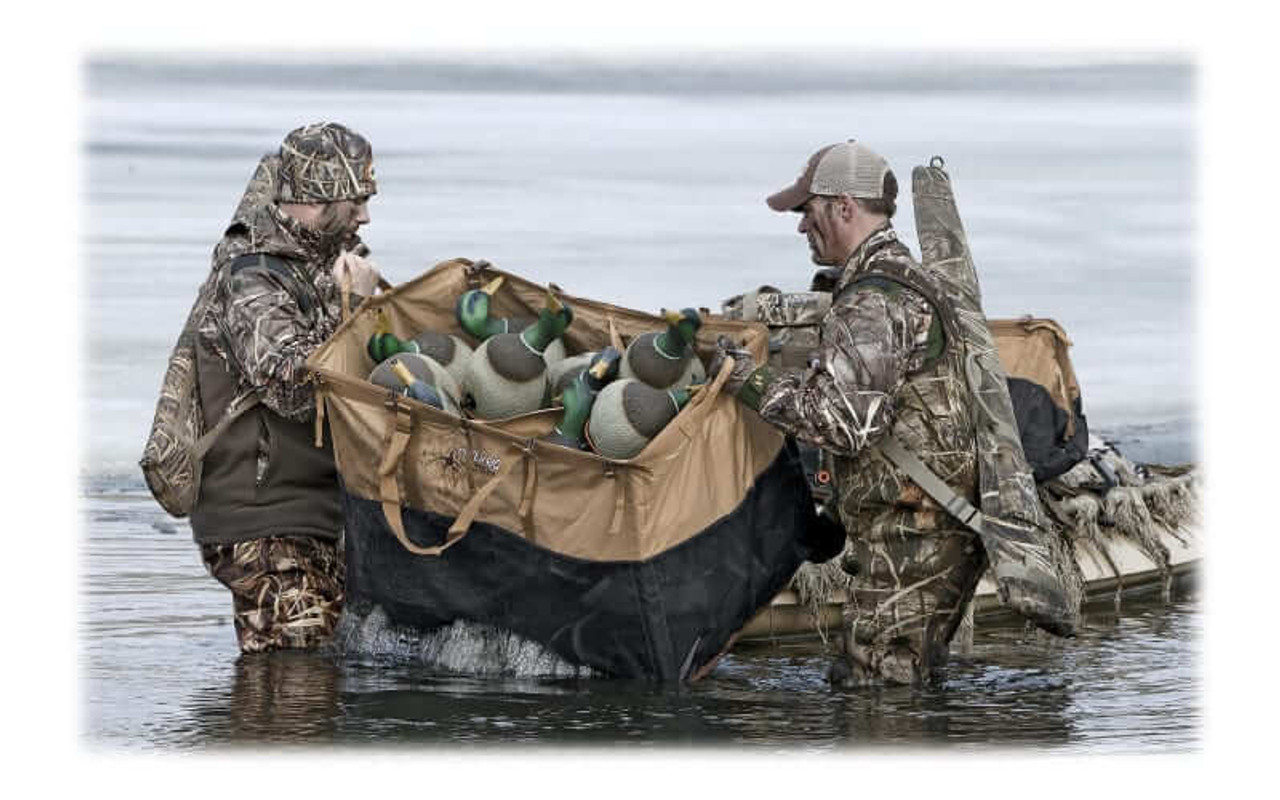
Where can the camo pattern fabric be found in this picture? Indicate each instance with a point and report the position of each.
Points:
(286, 592)
(168, 462)
(794, 320)
(1036, 573)
(253, 320)
(324, 163)
(918, 567)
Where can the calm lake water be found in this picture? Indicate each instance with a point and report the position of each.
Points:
(642, 185)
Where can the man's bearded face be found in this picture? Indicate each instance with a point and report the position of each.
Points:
(341, 219)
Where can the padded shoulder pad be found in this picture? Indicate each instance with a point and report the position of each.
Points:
(280, 267)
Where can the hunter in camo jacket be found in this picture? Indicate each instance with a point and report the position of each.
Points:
(268, 519)
(883, 365)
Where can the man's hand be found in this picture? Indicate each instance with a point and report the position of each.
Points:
(743, 363)
(362, 273)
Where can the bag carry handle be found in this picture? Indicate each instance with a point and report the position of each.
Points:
(399, 432)
(615, 338)
(345, 286)
(705, 396)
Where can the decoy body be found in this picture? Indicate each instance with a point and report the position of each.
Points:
(628, 413)
(666, 359)
(445, 349)
(421, 370)
(507, 374)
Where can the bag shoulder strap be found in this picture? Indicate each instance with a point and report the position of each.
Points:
(881, 276)
(885, 273)
(280, 267)
(938, 489)
(234, 411)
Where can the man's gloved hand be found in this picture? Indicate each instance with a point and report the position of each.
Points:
(362, 273)
(748, 381)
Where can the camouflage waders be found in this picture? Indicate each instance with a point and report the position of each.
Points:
(286, 592)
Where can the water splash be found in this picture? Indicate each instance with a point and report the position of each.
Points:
(465, 648)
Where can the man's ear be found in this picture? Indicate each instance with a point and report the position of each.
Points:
(848, 208)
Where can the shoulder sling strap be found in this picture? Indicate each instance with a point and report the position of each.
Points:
(244, 403)
(895, 451)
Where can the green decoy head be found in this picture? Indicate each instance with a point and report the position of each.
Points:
(683, 324)
(472, 311)
(603, 368)
(552, 321)
(577, 399)
(681, 397)
(383, 344)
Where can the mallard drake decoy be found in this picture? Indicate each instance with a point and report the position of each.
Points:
(628, 413)
(578, 396)
(666, 359)
(561, 373)
(472, 311)
(445, 349)
(507, 374)
(383, 344)
(422, 369)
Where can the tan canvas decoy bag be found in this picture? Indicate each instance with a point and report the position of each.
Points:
(690, 537)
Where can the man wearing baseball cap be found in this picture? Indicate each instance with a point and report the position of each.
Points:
(884, 366)
(268, 517)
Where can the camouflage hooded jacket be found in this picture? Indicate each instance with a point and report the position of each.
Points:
(884, 365)
(264, 476)
(254, 322)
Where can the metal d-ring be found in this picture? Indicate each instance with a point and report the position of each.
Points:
(937, 163)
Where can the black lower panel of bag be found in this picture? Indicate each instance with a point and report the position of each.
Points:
(662, 618)
(1042, 427)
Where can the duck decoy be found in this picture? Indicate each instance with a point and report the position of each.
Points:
(628, 414)
(578, 396)
(423, 370)
(666, 359)
(473, 313)
(507, 374)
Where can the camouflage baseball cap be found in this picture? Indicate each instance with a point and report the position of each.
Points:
(849, 168)
(324, 163)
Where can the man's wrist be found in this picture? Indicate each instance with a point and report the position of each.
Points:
(754, 388)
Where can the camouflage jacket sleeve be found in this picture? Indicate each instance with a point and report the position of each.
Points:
(871, 341)
(270, 339)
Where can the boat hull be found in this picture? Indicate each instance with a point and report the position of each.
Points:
(1123, 570)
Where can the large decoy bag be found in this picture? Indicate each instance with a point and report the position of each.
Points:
(638, 568)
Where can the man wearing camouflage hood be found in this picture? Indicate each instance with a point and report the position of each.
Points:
(268, 517)
(884, 365)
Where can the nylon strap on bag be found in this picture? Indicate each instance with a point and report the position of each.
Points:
(233, 413)
(525, 512)
(345, 289)
(942, 494)
(462, 524)
(399, 431)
